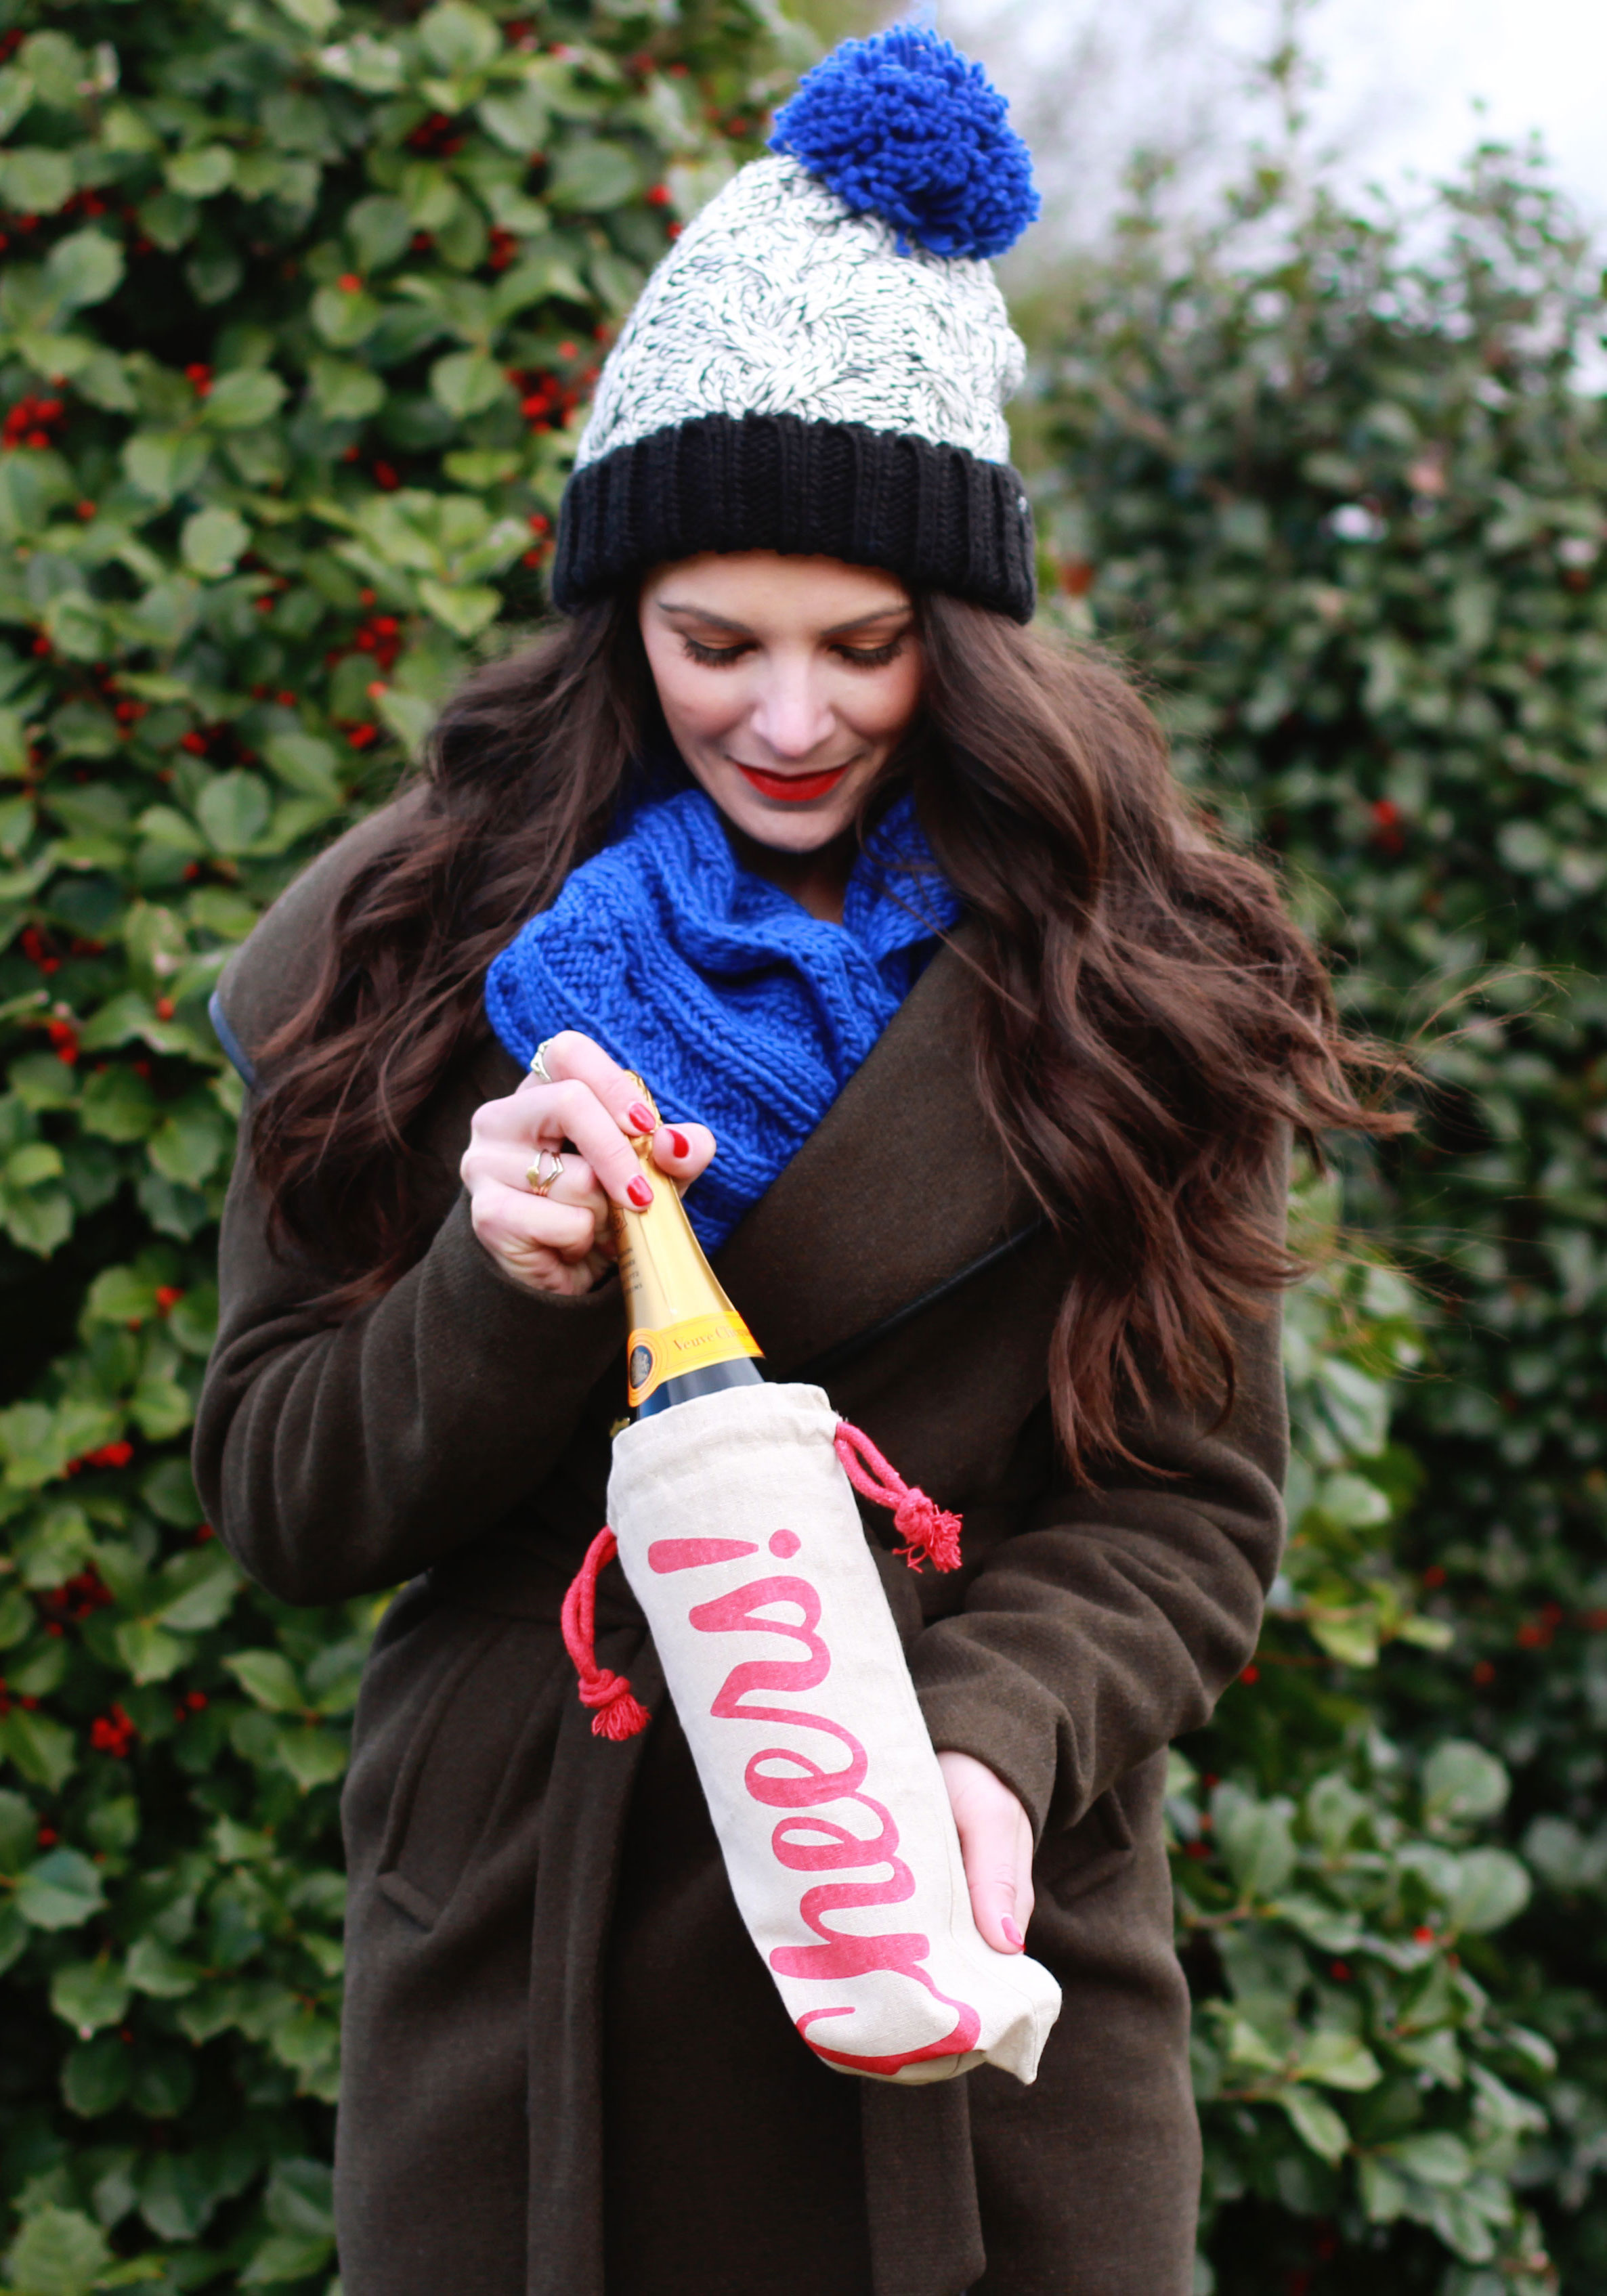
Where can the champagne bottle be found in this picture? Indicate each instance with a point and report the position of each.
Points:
(685, 1338)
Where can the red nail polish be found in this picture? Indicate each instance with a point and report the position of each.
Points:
(639, 1193)
(679, 1145)
(1013, 1936)
(641, 1118)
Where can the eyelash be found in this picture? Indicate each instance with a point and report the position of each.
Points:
(726, 657)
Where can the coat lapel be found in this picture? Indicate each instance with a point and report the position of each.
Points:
(901, 1185)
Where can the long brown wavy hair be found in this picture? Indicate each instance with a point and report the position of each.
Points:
(1152, 1025)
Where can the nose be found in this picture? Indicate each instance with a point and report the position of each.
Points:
(792, 714)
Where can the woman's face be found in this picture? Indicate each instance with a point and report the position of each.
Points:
(786, 684)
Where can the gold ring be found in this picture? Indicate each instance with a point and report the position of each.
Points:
(539, 1065)
(544, 1171)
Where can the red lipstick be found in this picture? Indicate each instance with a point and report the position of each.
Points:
(790, 789)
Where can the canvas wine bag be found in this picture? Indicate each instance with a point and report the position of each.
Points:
(740, 1537)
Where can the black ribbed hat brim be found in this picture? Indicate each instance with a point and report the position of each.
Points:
(936, 516)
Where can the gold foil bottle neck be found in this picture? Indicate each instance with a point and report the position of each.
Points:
(679, 1318)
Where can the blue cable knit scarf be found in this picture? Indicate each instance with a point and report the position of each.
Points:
(741, 1010)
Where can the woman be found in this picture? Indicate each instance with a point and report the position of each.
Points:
(1002, 1050)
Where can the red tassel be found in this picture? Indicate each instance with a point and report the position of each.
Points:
(929, 1533)
(617, 1712)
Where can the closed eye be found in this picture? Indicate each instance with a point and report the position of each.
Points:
(872, 657)
(714, 657)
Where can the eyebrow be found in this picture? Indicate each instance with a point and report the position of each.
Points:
(741, 629)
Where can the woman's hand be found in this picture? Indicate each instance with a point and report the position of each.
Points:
(560, 1242)
(995, 1839)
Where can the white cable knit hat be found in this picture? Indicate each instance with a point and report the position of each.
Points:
(820, 363)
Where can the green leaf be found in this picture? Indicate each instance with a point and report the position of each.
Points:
(15, 1936)
(35, 181)
(26, 1167)
(118, 1104)
(122, 1295)
(155, 1969)
(96, 2076)
(19, 1827)
(234, 810)
(517, 118)
(301, 2199)
(85, 269)
(59, 1543)
(213, 540)
(201, 173)
(89, 1994)
(1315, 2123)
(312, 1756)
(1337, 2060)
(465, 611)
(163, 464)
(306, 762)
(40, 1081)
(40, 1747)
(409, 717)
(379, 230)
(593, 175)
(1436, 2157)
(208, 1597)
(59, 2252)
(466, 383)
(314, 16)
(344, 316)
(1461, 1781)
(458, 38)
(1493, 1889)
(149, 1653)
(286, 2256)
(363, 62)
(248, 397)
(344, 392)
(267, 1677)
(1256, 1840)
(59, 1890)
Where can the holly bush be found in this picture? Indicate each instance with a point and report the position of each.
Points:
(1334, 480)
(297, 303)
(1365, 2081)
(298, 306)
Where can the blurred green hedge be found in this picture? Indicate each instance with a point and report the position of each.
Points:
(297, 306)
(1336, 482)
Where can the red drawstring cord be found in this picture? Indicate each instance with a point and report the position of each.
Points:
(617, 1713)
(930, 1531)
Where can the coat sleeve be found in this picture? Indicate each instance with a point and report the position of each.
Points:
(1112, 1621)
(336, 1459)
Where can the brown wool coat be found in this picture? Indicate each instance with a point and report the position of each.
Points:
(566, 2070)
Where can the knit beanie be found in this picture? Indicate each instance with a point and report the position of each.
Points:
(820, 364)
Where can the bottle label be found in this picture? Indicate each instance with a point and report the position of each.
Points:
(654, 1356)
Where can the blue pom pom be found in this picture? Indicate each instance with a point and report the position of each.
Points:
(904, 127)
